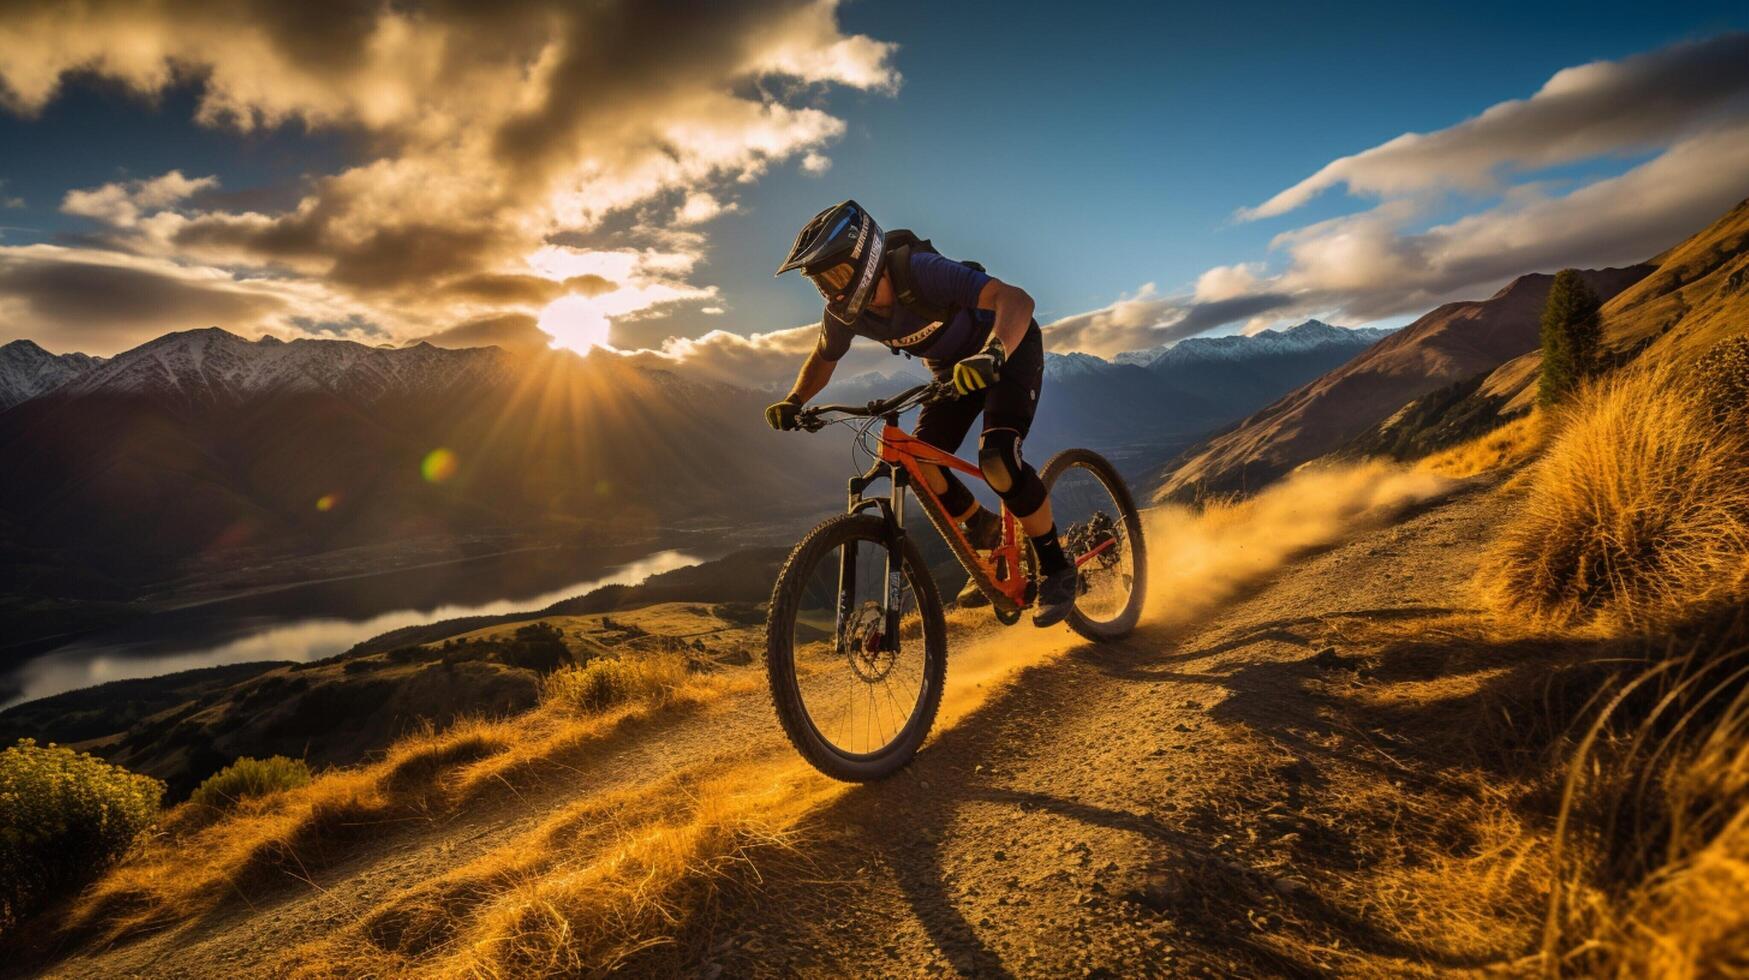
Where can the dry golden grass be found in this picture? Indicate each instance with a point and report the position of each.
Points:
(1652, 849)
(606, 682)
(1511, 445)
(1637, 513)
(618, 881)
(1635, 529)
(197, 861)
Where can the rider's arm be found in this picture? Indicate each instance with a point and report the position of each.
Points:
(1013, 309)
(815, 372)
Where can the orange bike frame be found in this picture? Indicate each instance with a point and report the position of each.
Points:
(902, 449)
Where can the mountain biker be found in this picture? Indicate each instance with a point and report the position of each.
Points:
(984, 339)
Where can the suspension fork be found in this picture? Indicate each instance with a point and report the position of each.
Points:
(895, 558)
(893, 517)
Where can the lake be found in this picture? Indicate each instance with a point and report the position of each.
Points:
(320, 619)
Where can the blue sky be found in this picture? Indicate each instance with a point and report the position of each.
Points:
(1083, 152)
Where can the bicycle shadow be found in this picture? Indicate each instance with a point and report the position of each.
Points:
(904, 824)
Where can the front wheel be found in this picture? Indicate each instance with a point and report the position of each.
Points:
(857, 661)
(1102, 534)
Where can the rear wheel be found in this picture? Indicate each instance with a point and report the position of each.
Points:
(855, 696)
(1102, 534)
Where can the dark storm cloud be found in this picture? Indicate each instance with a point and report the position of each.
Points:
(86, 306)
(532, 290)
(511, 331)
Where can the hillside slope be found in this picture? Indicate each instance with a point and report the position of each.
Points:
(1032, 836)
(1454, 342)
(1699, 295)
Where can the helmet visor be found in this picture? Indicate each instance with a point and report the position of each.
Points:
(832, 282)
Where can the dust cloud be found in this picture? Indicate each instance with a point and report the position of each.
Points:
(1197, 560)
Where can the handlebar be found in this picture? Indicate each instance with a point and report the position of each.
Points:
(928, 393)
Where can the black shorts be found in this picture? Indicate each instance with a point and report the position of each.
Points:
(1007, 404)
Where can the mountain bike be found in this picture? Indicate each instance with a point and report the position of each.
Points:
(856, 639)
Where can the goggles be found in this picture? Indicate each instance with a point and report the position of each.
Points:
(834, 281)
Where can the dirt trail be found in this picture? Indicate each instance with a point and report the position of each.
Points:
(1098, 772)
(1079, 820)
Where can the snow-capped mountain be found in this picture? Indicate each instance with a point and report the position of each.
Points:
(201, 442)
(1309, 336)
(27, 371)
(216, 367)
(1074, 364)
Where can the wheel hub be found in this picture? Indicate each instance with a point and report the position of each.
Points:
(865, 643)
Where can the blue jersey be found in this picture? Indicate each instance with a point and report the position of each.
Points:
(940, 282)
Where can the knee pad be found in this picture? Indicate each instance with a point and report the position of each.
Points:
(1013, 479)
(999, 458)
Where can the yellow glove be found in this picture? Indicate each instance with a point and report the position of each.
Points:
(981, 370)
(782, 415)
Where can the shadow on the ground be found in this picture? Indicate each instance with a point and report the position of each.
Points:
(1295, 707)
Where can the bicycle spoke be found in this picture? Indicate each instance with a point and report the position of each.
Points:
(862, 691)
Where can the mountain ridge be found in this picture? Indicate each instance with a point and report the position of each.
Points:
(1452, 342)
(27, 370)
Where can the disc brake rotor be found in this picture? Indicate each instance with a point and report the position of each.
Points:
(865, 645)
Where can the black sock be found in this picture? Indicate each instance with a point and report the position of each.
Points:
(1050, 552)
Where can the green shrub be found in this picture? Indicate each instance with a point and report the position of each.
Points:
(538, 647)
(1571, 332)
(64, 817)
(247, 777)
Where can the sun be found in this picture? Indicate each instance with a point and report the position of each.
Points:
(575, 322)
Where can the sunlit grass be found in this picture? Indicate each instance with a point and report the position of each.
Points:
(1510, 445)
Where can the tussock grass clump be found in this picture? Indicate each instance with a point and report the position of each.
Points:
(606, 682)
(248, 778)
(1655, 820)
(64, 817)
(1636, 514)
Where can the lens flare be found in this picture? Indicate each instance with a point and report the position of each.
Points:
(327, 502)
(438, 466)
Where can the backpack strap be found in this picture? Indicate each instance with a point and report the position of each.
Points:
(905, 288)
(901, 244)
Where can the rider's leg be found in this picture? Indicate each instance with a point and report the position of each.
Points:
(944, 425)
(1008, 411)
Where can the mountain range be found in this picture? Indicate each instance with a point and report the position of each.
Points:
(1144, 406)
(27, 371)
(200, 447)
(201, 444)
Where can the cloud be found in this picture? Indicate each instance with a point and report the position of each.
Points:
(120, 204)
(1372, 268)
(491, 131)
(760, 360)
(698, 208)
(1687, 106)
(511, 331)
(91, 300)
(1603, 108)
(1150, 320)
(1228, 281)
